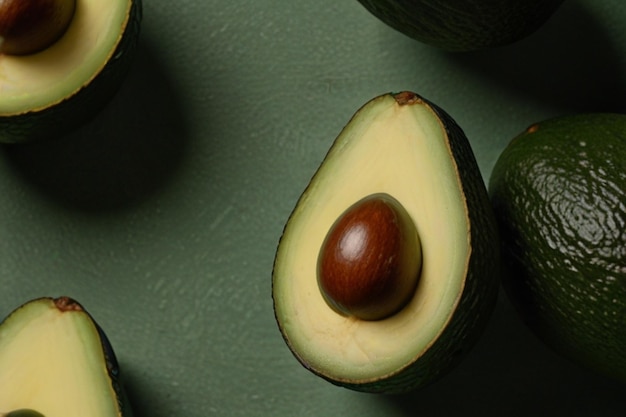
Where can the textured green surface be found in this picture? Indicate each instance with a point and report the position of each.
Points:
(162, 215)
(559, 193)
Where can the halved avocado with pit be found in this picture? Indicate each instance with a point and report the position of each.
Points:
(56, 361)
(405, 150)
(49, 90)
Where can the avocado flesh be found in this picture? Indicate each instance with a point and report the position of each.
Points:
(36, 81)
(462, 25)
(559, 194)
(49, 91)
(57, 363)
(402, 150)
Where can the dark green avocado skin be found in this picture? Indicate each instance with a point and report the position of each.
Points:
(464, 25)
(78, 109)
(559, 195)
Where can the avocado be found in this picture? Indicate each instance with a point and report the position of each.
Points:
(559, 194)
(61, 62)
(55, 361)
(387, 269)
(462, 25)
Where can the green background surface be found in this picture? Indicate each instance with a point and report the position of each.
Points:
(162, 215)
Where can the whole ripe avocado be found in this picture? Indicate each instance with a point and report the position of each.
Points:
(559, 194)
(464, 25)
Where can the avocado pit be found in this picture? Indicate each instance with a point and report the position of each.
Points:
(24, 412)
(30, 26)
(370, 261)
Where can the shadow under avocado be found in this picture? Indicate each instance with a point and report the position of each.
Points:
(570, 62)
(510, 373)
(141, 401)
(122, 156)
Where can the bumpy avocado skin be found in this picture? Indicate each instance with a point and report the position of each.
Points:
(85, 103)
(464, 25)
(559, 194)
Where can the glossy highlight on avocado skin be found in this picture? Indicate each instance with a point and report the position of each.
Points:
(558, 191)
(30, 26)
(369, 263)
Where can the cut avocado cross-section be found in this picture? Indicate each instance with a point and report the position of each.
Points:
(55, 361)
(401, 170)
(59, 86)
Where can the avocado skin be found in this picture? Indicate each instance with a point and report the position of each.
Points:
(464, 25)
(559, 194)
(79, 108)
(113, 369)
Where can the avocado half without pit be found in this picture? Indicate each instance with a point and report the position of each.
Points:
(61, 61)
(55, 361)
(387, 269)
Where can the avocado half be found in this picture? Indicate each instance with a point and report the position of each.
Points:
(55, 361)
(403, 146)
(464, 25)
(50, 92)
(559, 194)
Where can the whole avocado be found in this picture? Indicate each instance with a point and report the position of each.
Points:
(464, 25)
(559, 195)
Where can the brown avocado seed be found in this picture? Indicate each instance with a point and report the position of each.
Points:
(29, 26)
(369, 264)
(24, 412)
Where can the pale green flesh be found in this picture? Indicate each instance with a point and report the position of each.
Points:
(402, 151)
(52, 362)
(37, 81)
